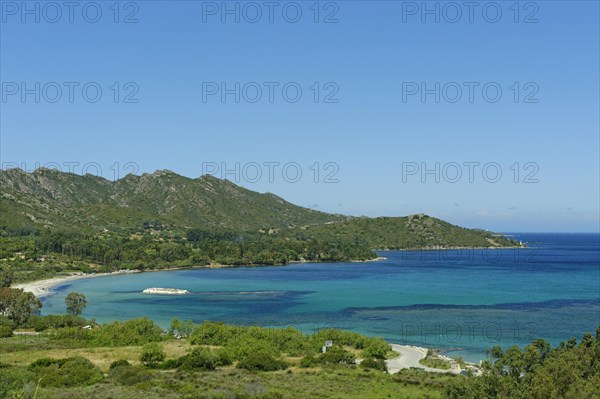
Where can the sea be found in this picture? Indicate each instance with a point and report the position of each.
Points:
(462, 302)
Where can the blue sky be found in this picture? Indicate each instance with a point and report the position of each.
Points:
(367, 129)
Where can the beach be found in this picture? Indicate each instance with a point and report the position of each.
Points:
(43, 288)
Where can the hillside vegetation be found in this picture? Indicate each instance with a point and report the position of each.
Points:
(137, 359)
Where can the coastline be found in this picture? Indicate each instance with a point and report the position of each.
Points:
(43, 288)
(434, 248)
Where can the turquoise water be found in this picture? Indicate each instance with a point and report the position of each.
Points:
(463, 301)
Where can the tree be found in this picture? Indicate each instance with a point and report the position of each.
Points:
(6, 278)
(18, 305)
(75, 302)
(152, 354)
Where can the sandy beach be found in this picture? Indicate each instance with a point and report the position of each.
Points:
(42, 288)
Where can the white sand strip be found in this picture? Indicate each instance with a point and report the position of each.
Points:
(42, 288)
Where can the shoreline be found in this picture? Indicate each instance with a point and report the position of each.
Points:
(446, 248)
(43, 288)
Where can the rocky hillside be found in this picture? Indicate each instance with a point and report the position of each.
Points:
(64, 200)
(88, 204)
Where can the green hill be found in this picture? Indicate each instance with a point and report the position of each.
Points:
(52, 222)
(409, 232)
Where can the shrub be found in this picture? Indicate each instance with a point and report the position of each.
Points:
(6, 331)
(73, 334)
(132, 332)
(339, 337)
(261, 362)
(308, 361)
(43, 363)
(15, 380)
(240, 348)
(213, 333)
(119, 363)
(41, 323)
(199, 359)
(129, 375)
(152, 354)
(372, 363)
(376, 347)
(224, 357)
(68, 372)
(336, 355)
(170, 364)
(5, 321)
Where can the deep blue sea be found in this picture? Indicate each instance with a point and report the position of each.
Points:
(463, 301)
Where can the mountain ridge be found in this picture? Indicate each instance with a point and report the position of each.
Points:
(165, 195)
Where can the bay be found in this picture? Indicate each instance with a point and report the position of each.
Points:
(462, 301)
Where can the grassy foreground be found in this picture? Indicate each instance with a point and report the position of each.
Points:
(76, 358)
(325, 381)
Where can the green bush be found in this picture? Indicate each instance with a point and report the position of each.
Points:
(260, 361)
(6, 331)
(339, 337)
(76, 335)
(41, 323)
(224, 357)
(5, 321)
(336, 355)
(119, 363)
(129, 375)
(308, 362)
(152, 354)
(376, 347)
(373, 363)
(68, 372)
(13, 381)
(132, 332)
(214, 333)
(241, 347)
(170, 364)
(199, 359)
(44, 362)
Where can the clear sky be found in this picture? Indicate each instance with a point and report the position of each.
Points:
(389, 89)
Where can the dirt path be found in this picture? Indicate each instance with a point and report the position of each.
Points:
(409, 357)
